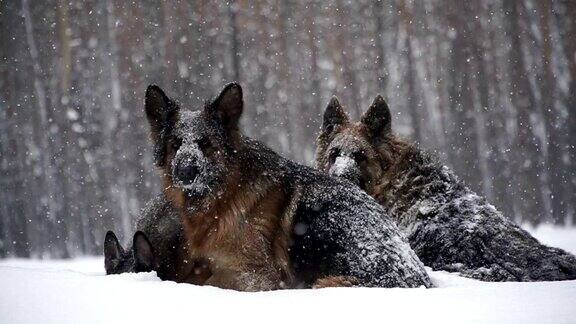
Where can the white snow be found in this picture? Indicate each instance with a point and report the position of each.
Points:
(76, 291)
(563, 237)
(342, 165)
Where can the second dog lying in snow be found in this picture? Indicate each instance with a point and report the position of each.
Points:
(158, 245)
(450, 227)
(262, 222)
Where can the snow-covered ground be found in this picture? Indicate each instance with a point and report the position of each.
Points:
(77, 291)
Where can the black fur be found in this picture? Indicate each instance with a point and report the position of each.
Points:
(139, 258)
(451, 228)
(161, 113)
(158, 245)
(143, 253)
(334, 115)
(160, 221)
(227, 108)
(378, 118)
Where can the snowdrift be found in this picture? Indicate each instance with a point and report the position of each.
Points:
(77, 291)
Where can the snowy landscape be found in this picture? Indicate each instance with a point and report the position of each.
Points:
(76, 291)
(486, 87)
(76, 155)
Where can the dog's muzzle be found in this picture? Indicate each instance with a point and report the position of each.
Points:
(345, 167)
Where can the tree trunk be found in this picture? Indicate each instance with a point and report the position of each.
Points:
(345, 59)
(569, 45)
(497, 180)
(382, 71)
(413, 100)
(50, 176)
(463, 136)
(554, 165)
(233, 7)
(526, 147)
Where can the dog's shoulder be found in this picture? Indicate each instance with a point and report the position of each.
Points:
(339, 229)
(161, 222)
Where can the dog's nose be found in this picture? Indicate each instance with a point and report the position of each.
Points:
(186, 174)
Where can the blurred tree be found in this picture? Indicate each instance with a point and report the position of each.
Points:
(489, 85)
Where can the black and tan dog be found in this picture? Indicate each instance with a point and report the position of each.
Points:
(139, 258)
(261, 222)
(158, 245)
(448, 225)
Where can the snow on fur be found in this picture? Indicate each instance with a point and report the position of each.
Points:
(342, 165)
(451, 228)
(376, 251)
(331, 213)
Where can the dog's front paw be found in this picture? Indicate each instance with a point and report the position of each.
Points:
(335, 281)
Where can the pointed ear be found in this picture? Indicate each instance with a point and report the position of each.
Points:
(143, 253)
(113, 252)
(333, 115)
(228, 106)
(160, 110)
(378, 118)
(162, 114)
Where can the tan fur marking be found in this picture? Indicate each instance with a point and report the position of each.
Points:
(241, 234)
(175, 195)
(391, 152)
(283, 239)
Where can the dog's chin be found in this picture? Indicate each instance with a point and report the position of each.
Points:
(194, 199)
(198, 194)
(194, 193)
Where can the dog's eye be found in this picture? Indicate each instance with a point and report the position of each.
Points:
(335, 153)
(359, 157)
(204, 143)
(176, 143)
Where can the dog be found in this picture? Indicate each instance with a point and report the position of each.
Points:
(158, 245)
(449, 226)
(139, 258)
(262, 222)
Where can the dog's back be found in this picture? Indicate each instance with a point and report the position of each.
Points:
(351, 233)
(339, 230)
(448, 226)
(452, 228)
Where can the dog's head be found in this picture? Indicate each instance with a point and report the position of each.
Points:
(195, 150)
(357, 151)
(139, 259)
